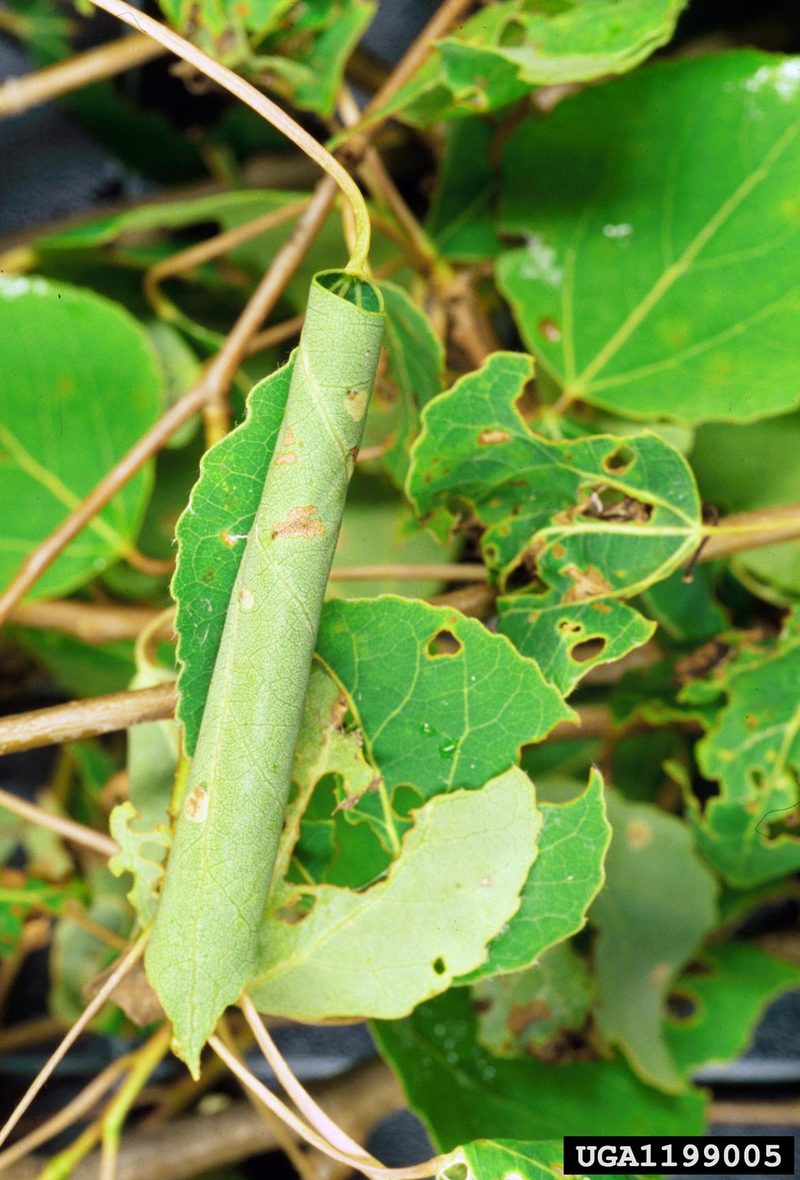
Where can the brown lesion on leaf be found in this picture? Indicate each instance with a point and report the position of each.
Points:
(287, 455)
(660, 975)
(196, 806)
(586, 583)
(301, 522)
(355, 402)
(607, 503)
(491, 436)
(522, 1016)
(638, 834)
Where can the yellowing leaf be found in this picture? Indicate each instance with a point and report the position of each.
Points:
(382, 951)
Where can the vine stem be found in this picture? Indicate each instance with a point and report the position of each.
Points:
(311, 1136)
(123, 966)
(30, 90)
(264, 107)
(307, 1106)
(70, 829)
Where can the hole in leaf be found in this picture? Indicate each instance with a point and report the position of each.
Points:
(681, 1006)
(619, 460)
(604, 503)
(567, 625)
(439, 966)
(588, 649)
(444, 643)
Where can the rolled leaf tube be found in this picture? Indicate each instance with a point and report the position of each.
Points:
(205, 936)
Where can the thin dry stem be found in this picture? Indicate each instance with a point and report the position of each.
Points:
(196, 255)
(307, 1106)
(70, 829)
(68, 1114)
(270, 1100)
(411, 572)
(30, 90)
(81, 719)
(124, 965)
(91, 622)
(751, 530)
(439, 24)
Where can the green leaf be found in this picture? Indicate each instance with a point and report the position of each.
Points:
(742, 468)
(16, 902)
(211, 535)
(525, 1011)
(463, 1092)
(726, 996)
(686, 612)
(142, 853)
(66, 420)
(509, 1159)
(593, 517)
(567, 641)
(452, 888)
(656, 907)
(461, 220)
(753, 751)
(153, 751)
(564, 880)
(507, 48)
(227, 833)
(661, 222)
(415, 359)
(441, 702)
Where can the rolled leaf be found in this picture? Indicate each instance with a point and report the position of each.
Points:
(205, 937)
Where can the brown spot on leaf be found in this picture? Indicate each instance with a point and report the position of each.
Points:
(196, 806)
(355, 403)
(549, 329)
(586, 583)
(491, 436)
(246, 599)
(302, 522)
(522, 1016)
(660, 975)
(638, 833)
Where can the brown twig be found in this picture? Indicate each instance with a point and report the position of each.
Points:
(105, 61)
(751, 530)
(70, 829)
(439, 24)
(91, 622)
(440, 571)
(82, 719)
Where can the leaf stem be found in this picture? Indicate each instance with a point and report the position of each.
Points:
(123, 966)
(264, 107)
(751, 530)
